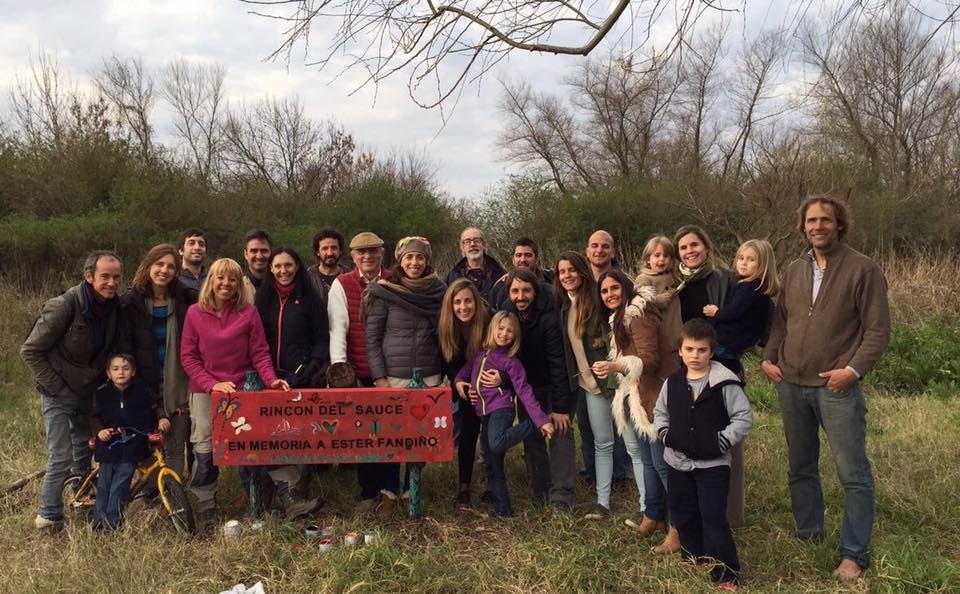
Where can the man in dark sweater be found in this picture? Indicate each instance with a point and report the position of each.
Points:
(541, 353)
(831, 325)
(193, 250)
(477, 265)
(257, 245)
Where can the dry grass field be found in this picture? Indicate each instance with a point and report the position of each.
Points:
(913, 441)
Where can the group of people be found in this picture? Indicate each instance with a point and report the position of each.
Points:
(648, 368)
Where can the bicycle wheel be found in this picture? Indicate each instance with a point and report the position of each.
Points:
(177, 504)
(77, 502)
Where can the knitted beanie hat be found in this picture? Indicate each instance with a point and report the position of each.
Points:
(413, 244)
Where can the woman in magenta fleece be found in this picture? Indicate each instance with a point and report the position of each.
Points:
(222, 340)
(495, 406)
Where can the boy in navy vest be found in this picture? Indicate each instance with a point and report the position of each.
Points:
(128, 404)
(701, 413)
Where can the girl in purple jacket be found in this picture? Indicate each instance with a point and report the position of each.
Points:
(495, 406)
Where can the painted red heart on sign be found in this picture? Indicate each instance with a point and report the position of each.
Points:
(419, 411)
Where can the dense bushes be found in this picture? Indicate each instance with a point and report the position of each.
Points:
(146, 212)
(922, 357)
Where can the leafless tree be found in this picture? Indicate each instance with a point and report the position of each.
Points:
(540, 132)
(887, 94)
(443, 44)
(748, 93)
(195, 91)
(615, 118)
(337, 164)
(625, 108)
(41, 102)
(696, 132)
(129, 90)
(383, 37)
(270, 142)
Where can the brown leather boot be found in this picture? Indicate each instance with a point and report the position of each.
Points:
(647, 526)
(670, 544)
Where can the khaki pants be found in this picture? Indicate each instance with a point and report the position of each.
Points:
(205, 474)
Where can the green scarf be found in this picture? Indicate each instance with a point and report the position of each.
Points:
(689, 275)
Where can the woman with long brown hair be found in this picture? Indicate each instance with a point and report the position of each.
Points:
(152, 313)
(463, 323)
(584, 343)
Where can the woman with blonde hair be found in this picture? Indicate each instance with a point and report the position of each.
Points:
(223, 339)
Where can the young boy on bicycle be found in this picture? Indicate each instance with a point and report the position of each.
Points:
(124, 413)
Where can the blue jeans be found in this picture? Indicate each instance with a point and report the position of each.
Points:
(67, 423)
(601, 423)
(498, 434)
(843, 417)
(654, 479)
(632, 443)
(113, 489)
(621, 460)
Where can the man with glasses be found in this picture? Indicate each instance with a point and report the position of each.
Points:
(476, 264)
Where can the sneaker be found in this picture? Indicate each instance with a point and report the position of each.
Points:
(41, 523)
(729, 586)
(597, 512)
(295, 507)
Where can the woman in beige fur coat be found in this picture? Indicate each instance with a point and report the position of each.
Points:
(642, 358)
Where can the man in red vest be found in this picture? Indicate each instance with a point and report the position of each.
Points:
(348, 336)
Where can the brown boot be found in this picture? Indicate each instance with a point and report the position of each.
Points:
(647, 526)
(670, 544)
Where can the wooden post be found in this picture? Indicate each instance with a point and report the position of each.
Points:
(416, 509)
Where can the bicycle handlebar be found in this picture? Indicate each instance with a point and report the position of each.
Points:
(153, 437)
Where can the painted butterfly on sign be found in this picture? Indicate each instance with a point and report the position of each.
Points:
(227, 406)
(241, 424)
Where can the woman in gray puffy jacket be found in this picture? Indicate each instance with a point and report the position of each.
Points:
(401, 313)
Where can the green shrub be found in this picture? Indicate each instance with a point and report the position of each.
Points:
(921, 358)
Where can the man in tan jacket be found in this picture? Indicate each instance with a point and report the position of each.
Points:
(831, 325)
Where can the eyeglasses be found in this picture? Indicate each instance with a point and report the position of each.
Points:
(472, 241)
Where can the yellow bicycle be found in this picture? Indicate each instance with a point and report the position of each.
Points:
(80, 492)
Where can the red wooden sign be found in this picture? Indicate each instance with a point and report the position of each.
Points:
(335, 425)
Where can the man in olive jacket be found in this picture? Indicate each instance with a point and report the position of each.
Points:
(67, 352)
(830, 327)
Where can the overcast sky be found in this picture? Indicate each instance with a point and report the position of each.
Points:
(81, 34)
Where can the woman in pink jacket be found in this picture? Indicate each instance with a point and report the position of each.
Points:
(222, 340)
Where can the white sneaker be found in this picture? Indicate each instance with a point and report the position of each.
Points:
(41, 523)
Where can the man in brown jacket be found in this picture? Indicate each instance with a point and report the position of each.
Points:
(831, 325)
